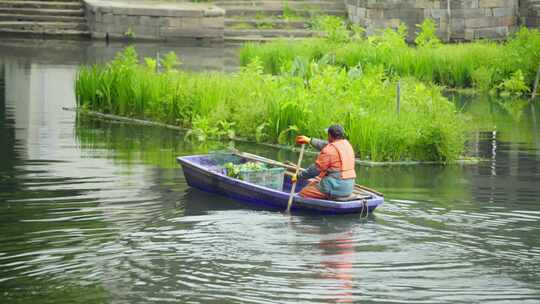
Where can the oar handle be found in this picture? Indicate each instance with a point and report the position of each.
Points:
(293, 187)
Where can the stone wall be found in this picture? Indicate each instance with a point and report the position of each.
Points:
(529, 13)
(455, 19)
(154, 21)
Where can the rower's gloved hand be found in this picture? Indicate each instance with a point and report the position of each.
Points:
(302, 140)
(294, 178)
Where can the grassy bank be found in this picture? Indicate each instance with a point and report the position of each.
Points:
(266, 108)
(507, 67)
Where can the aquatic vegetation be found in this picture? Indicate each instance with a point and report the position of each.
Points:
(514, 86)
(262, 107)
(451, 65)
(235, 171)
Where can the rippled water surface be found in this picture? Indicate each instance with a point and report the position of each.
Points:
(98, 212)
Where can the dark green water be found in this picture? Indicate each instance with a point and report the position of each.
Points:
(98, 212)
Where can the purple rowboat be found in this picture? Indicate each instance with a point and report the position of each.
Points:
(205, 173)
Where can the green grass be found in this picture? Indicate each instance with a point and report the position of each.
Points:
(304, 99)
(479, 64)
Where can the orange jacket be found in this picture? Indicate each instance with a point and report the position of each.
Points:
(337, 156)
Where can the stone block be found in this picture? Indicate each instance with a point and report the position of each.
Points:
(427, 4)
(213, 22)
(394, 22)
(491, 33)
(98, 35)
(171, 33)
(214, 11)
(469, 12)
(457, 24)
(107, 18)
(503, 11)
(470, 4)
(362, 12)
(455, 4)
(507, 21)
(362, 3)
(533, 22)
(148, 21)
(480, 22)
(498, 3)
(105, 9)
(375, 13)
(134, 20)
(438, 13)
(390, 13)
(469, 34)
(411, 13)
(191, 23)
(173, 22)
(141, 31)
(490, 22)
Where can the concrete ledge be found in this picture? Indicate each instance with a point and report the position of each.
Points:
(154, 20)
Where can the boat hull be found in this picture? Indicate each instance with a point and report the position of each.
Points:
(199, 176)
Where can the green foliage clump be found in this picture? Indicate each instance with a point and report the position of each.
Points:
(513, 86)
(428, 34)
(333, 27)
(234, 170)
(306, 98)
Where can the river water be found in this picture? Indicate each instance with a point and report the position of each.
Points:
(98, 212)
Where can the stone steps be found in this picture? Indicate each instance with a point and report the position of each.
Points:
(43, 17)
(255, 11)
(42, 12)
(268, 33)
(51, 18)
(314, 5)
(41, 1)
(242, 39)
(45, 32)
(262, 20)
(42, 26)
(266, 23)
(41, 5)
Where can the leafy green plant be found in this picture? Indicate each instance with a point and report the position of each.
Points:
(513, 86)
(428, 34)
(234, 170)
(170, 61)
(334, 28)
(260, 134)
(130, 34)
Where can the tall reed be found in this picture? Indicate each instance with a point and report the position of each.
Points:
(451, 65)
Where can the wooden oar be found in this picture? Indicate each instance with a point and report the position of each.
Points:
(293, 187)
(291, 167)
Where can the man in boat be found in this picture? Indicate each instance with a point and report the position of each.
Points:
(334, 167)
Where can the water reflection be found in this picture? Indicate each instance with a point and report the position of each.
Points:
(95, 211)
(194, 56)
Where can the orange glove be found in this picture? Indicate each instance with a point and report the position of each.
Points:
(294, 178)
(302, 139)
